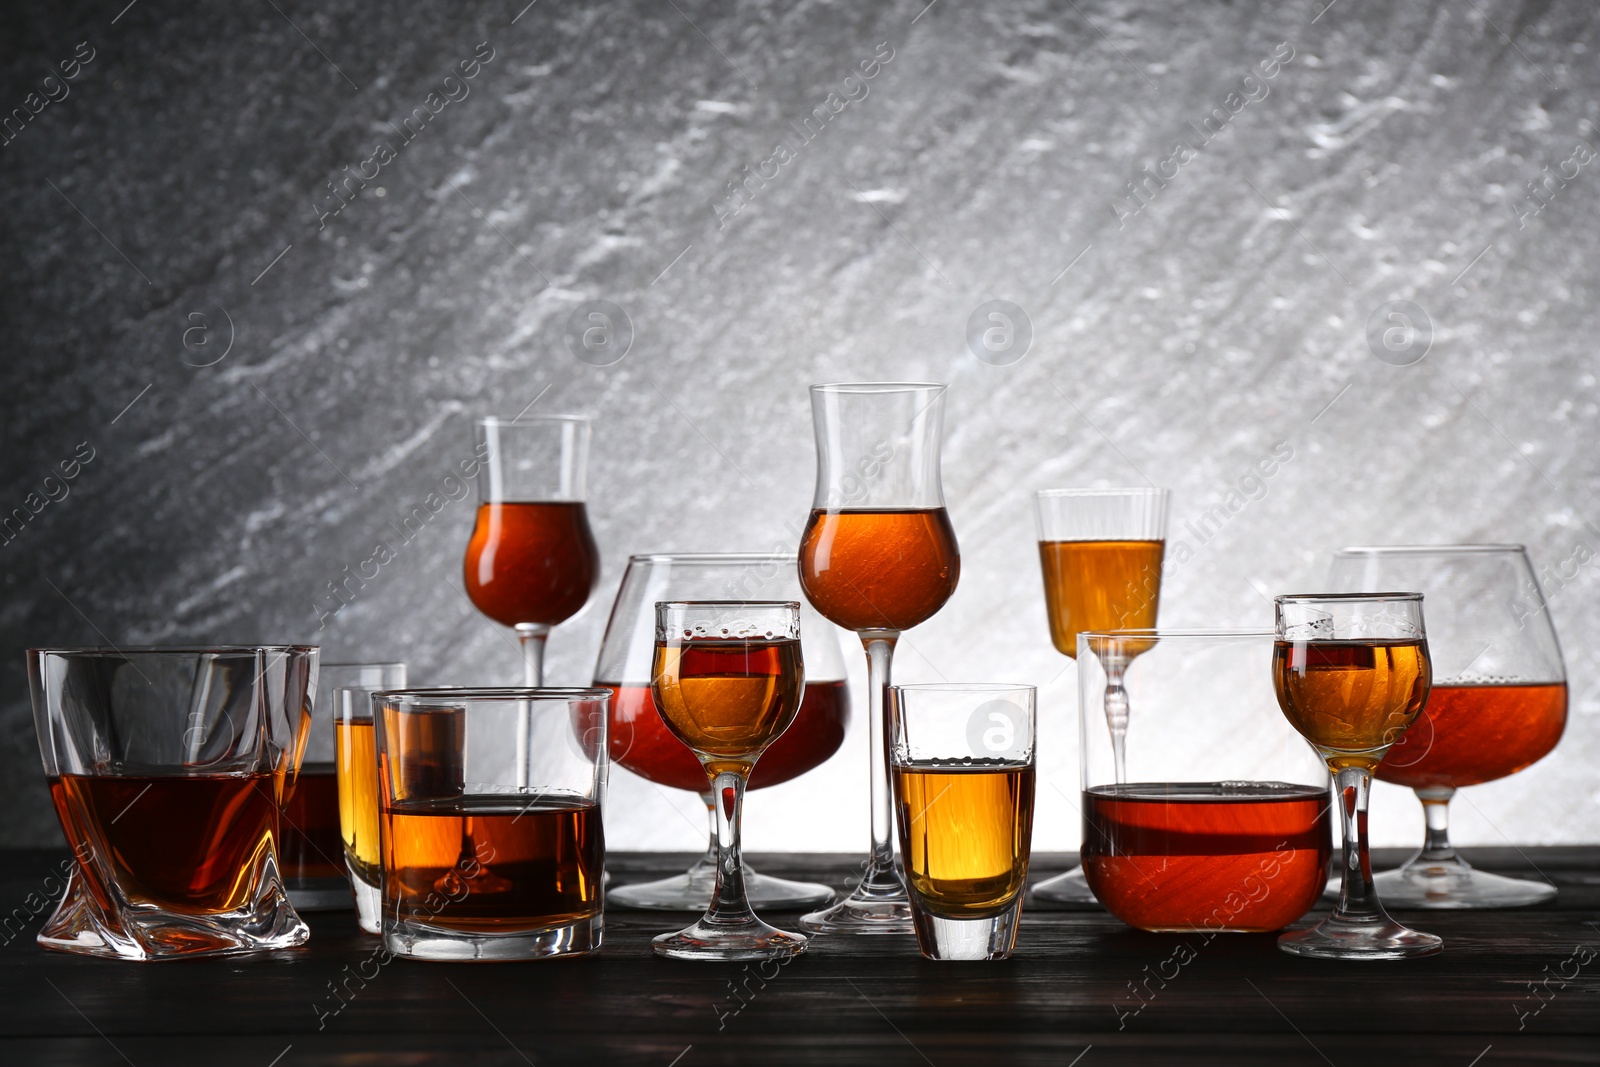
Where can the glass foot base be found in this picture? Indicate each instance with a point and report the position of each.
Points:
(724, 941)
(369, 905)
(1069, 888)
(1454, 883)
(691, 891)
(863, 914)
(968, 939)
(418, 941)
(1335, 940)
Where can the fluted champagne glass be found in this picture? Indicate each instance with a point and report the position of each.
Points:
(878, 556)
(1498, 704)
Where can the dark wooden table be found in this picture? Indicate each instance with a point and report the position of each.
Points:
(1510, 987)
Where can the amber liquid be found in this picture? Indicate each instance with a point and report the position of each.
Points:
(879, 570)
(531, 562)
(188, 844)
(1100, 585)
(488, 864)
(640, 741)
(728, 699)
(310, 845)
(964, 835)
(355, 758)
(1468, 734)
(1351, 699)
(1240, 856)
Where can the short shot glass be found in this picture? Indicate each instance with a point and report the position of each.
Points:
(490, 821)
(350, 687)
(962, 758)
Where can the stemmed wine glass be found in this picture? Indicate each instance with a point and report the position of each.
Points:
(878, 556)
(532, 562)
(1101, 552)
(1499, 701)
(641, 742)
(1352, 672)
(727, 681)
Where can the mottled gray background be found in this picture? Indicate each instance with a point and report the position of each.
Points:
(1178, 345)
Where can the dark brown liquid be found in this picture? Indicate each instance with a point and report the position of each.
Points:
(1248, 856)
(728, 699)
(486, 864)
(531, 562)
(1351, 699)
(1468, 734)
(879, 570)
(186, 844)
(310, 845)
(640, 741)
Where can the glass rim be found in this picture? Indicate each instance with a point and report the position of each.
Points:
(727, 604)
(375, 664)
(529, 420)
(1135, 490)
(868, 388)
(463, 694)
(1181, 633)
(177, 650)
(712, 557)
(1390, 596)
(965, 687)
(1420, 550)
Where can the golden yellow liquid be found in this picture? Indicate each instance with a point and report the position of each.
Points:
(1100, 585)
(728, 699)
(1351, 699)
(356, 763)
(964, 836)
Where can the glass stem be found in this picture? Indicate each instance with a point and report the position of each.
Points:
(1436, 846)
(728, 901)
(1358, 901)
(532, 636)
(1117, 715)
(880, 878)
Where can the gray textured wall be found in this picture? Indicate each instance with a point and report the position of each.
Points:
(170, 203)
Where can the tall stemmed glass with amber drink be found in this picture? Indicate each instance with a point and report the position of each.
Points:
(1499, 701)
(878, 556)
(1101, 552)
(1352, 672)
(532, 562)
(727, 681)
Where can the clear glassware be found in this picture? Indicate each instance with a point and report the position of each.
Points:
(642, 743)
(878, 556)
(963, 764)
(531, 562)
(1352, 672)
(728, 678)
(168, 768)
(1498, 703)
(349, 688)
(1210, 813)
(1101, 553)
(491, 821)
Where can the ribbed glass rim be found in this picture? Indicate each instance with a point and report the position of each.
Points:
(1422, 550)
(1135, 490)
(1319, 598)
(727, 604)
(530, 420)
(713, 557)
(878, 387)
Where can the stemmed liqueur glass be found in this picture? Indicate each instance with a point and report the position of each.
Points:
(532, 562)
(878, 556)
(1101, 552)
(1352, 672)
(641, 742)
(727, 681)
(1499, 701)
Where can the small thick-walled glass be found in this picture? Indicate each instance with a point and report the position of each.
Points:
(167, 768)
(350, 687)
